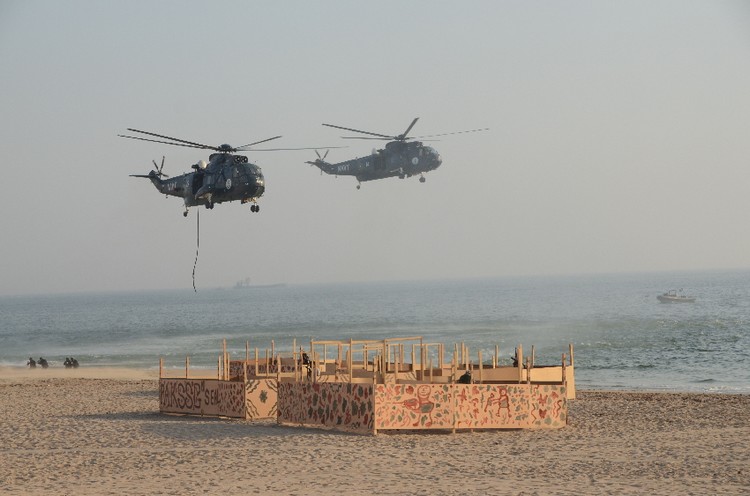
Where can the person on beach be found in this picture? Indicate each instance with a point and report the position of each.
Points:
(43, 363)
(31, 363)
(68, 363)
(466, 378)
(74, 362)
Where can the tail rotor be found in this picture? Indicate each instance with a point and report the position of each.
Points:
(321, 161)
(159, 168)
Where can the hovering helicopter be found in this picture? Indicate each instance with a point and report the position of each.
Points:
(225, 177)
(400, 157)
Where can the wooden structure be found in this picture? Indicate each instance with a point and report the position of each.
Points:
(368, 386)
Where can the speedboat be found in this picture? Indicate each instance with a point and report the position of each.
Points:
(672, 296)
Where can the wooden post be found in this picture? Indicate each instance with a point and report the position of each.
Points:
(218, 368)
(454, 362)
(187, 366)
(528, 370)
(414, 358)
(395, 365)
(161, 366)
(422, 356)
(256, 362)
(481, 365)
(519, 360)
(430, 370)
(496, 357)
(570, 356)
(224, 357)
(533, 355)
(278, 369)
(247, 351)
(350, 362)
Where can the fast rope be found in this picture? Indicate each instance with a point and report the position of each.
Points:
(197, 242)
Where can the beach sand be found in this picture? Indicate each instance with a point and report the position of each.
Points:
(98, 431)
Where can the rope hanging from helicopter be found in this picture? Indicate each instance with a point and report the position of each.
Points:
(197, 243)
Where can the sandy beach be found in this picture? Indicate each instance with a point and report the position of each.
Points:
(98, 431)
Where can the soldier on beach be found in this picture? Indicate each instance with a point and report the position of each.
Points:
(43, 363)
(31, 363)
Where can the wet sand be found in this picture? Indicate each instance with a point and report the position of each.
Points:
(98, 431)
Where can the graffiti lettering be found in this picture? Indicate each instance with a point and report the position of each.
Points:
(180, 394)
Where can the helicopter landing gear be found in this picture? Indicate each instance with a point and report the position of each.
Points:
(359, 185)
(422, 179)
(255, 208)
(184, 214)
(210, 205)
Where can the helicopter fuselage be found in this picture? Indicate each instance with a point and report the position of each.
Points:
(397, 159)
(224, 178)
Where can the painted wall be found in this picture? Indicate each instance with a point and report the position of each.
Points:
(337, 405)
(366, 408)
(261, 397)
(202, 397)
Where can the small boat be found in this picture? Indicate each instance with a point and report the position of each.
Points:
(672, 296)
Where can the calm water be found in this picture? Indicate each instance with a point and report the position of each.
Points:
(623, 337)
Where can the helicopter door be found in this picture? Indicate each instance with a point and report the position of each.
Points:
(197, 182)
(379, 161)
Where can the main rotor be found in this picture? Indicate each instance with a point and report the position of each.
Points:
(399, 137)
(225, 148)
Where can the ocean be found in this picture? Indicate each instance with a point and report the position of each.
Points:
(623, 338)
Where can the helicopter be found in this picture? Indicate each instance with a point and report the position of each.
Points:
(400, 158)
(226, 176)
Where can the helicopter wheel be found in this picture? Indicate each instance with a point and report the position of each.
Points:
(184, 214)
(359, 186)
(422, 179)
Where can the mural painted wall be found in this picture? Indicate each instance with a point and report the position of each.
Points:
(469, 406)
(202, 397)
(261, 397)
(337, 405)
(413, 406)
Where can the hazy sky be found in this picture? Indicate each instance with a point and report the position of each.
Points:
(619, 139)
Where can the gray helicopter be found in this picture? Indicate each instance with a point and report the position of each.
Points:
(226, 176)
(400, 158)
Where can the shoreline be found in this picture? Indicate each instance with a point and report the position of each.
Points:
(102, 433)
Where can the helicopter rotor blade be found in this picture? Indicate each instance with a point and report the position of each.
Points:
(456, 132)
(318, 154)
(359, 131)
(406, 133)
(388, 138)
(325, 154)
(257, 142)
(288, 149)
(199, 145)
(164, 142)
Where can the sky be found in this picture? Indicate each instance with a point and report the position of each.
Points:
(618, 139)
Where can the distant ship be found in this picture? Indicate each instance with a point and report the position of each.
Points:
(245, 284)
(672, 296)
